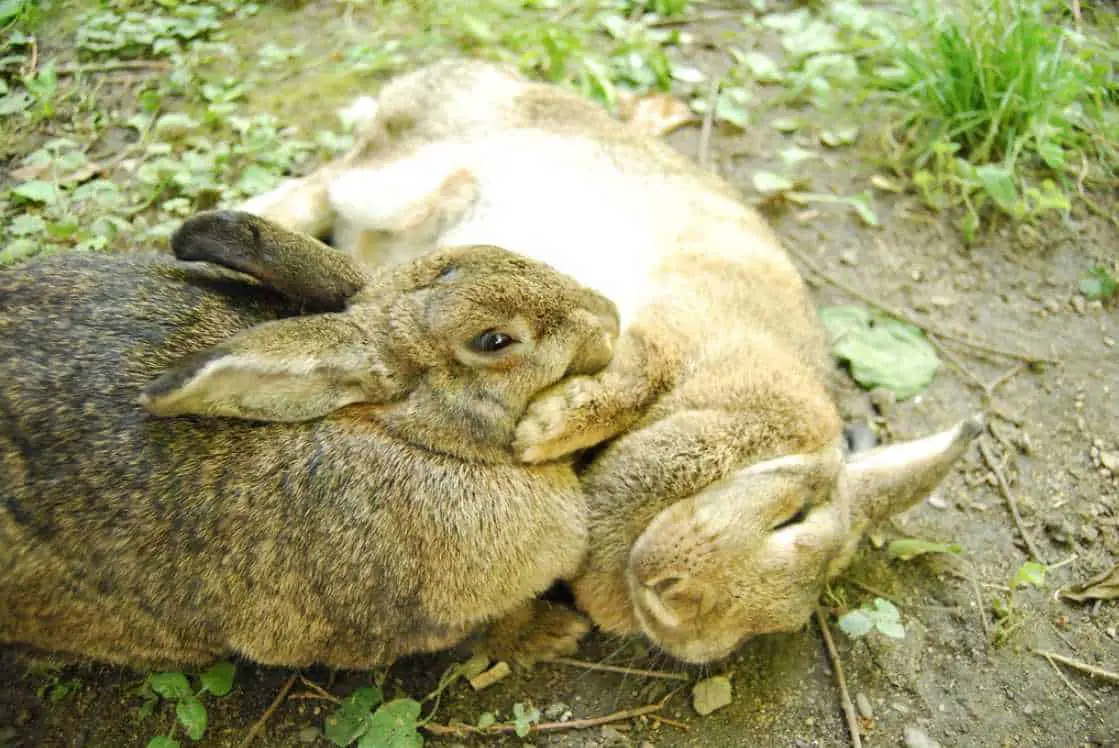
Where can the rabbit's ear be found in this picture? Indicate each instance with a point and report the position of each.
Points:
(296, 265)
(769, 494)
(884, 481)
(287, 370)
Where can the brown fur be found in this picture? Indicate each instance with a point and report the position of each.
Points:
(723, 502)
(357, 502)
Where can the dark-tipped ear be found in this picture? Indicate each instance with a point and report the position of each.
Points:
(297, 265)
(288, 370)
(887, 480)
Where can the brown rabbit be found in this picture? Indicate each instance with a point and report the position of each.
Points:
(724, 501)
(355, 501)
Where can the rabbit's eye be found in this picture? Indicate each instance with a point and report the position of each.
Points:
(491, 341)
(796, 519)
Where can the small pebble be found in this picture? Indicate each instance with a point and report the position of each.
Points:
(937, 501)
(1079, 304)
(711, 694)
(849, 257)
(1110, 460)
(863, 705)
(308, 735)
(553, 712)
(915, 737)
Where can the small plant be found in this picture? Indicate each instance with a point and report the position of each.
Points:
(366, 720)
(881, 616)
(1098, 284)
(54, 687)
(1008, 616)
(190, 712)
(991, 94)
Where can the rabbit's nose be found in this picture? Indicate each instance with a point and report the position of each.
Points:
(594, 354)
(674, 600)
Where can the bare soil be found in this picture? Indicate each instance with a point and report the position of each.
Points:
(960, 675)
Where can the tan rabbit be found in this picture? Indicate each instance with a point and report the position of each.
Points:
(725, 499)
(339, 488)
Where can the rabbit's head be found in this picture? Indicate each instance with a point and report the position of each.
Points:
(750, 554)
(454, 343)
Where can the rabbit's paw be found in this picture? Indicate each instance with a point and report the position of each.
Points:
(559, 422)
(536, 631)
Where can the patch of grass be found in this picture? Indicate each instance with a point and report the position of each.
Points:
(1000, 105)
(121, 118)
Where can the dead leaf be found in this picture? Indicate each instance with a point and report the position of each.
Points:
(35, 171)
(655, 114)
(1104, 586)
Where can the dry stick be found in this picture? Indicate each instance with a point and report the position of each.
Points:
(1068, 683)
(1003, 379)
(704, 156)
(844, 696)
(107, 67)
(617, 669)
(307, 696)
(321, 692)
(670, 722)
(1011, 502)
(927, 326)
(979, 601)
(259, 724)
(103, 67)
(716, 15)
(1099, 672)
(34, 63)
(575, 724)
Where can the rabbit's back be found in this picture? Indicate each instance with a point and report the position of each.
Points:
(147, 540)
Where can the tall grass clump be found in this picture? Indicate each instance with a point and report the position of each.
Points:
(1003, 103)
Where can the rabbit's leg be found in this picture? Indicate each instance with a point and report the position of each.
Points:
(301, 205)
(416, 193)
(535, 631)
(583, 411)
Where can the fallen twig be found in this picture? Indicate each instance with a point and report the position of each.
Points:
(308, 696)
(1083, 667)
(971, 577)
(933, 330)
(111, 66)
(704, 156)
(462, 729)
(670, 722)
(1067, 682)
(259, 724)
(712, 17)
(618, 669)
(33, 64)
(841, 681)
(319, 691)
(1011, 502)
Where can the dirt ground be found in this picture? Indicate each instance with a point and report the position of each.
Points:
(961, 676)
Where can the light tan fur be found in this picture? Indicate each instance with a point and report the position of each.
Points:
(722, 499)
(271, 452)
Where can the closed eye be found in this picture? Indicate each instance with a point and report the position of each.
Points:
(796, 519)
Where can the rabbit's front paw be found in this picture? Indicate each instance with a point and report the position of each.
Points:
(556, 423)
(537, 631)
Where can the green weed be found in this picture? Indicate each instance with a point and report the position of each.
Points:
(190, 712)
(999, 106)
